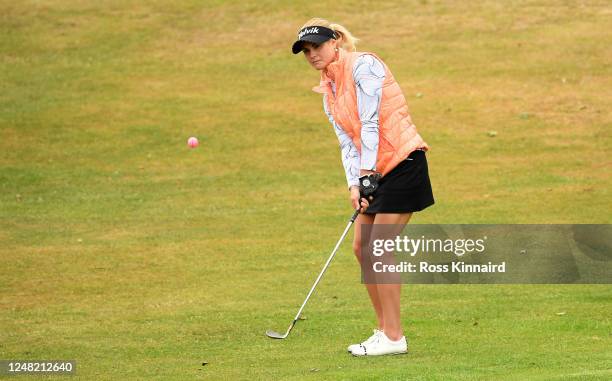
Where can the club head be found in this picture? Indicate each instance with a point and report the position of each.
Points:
(275, 335)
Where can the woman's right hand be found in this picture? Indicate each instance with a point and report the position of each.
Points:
(355, 195)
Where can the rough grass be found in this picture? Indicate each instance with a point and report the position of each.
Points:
(141, 259)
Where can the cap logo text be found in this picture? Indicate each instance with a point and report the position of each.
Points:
(308, 31)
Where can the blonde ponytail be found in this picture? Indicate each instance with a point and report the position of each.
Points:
(345, 39)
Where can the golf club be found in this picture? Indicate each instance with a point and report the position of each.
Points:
(276, 335)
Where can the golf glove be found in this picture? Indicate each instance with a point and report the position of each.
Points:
(368, 185)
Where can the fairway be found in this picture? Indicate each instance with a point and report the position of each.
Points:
(144, 259)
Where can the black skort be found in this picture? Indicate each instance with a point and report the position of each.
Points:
(406, 188)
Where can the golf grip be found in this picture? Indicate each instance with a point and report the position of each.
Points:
(355, 215)
(348, 226)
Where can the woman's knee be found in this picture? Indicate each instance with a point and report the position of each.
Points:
(357, 248)
(358, 245)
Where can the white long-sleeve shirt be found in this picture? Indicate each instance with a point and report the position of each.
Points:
(369, 75)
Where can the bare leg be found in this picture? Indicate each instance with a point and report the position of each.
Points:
(372, 288)
(389, 294)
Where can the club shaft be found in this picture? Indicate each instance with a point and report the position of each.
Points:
(348, 226)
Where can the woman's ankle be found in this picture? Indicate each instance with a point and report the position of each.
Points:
(394, 335)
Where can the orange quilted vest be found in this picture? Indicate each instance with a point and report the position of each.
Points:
(398, 136)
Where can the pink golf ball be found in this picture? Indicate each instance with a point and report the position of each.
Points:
(192, 142)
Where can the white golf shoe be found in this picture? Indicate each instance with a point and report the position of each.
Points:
(381, 345)
(367, 341)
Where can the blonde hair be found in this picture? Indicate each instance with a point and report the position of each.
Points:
(345, 39)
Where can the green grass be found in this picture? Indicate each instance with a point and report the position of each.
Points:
(141, 259)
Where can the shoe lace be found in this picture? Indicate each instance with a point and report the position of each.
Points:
(373, 337)
(376, 339)
(372, 341)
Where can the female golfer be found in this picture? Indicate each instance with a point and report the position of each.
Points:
(379, 144)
